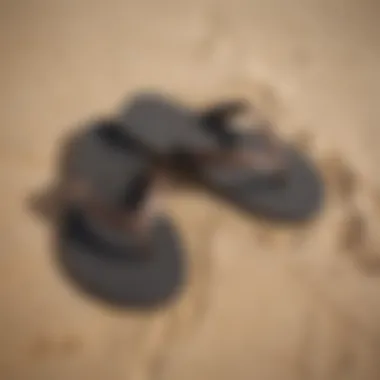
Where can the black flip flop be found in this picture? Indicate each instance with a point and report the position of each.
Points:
(109, 243)
(276, 182)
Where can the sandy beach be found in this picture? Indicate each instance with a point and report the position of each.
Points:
(262, 301)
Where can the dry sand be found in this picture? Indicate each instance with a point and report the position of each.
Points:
(262, 302)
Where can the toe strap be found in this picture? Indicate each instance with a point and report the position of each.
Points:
(261, 149)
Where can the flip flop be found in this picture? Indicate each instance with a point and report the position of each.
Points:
(253, 168)
(113, 240)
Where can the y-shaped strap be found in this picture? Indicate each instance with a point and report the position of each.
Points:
(266, 155)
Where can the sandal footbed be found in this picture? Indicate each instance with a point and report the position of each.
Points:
(163, 125)
(298, 199)
(123, 281)
(107, 162)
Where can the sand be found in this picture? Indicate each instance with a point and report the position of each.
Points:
(262, 301)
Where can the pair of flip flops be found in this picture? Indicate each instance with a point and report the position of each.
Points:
(117, 242)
